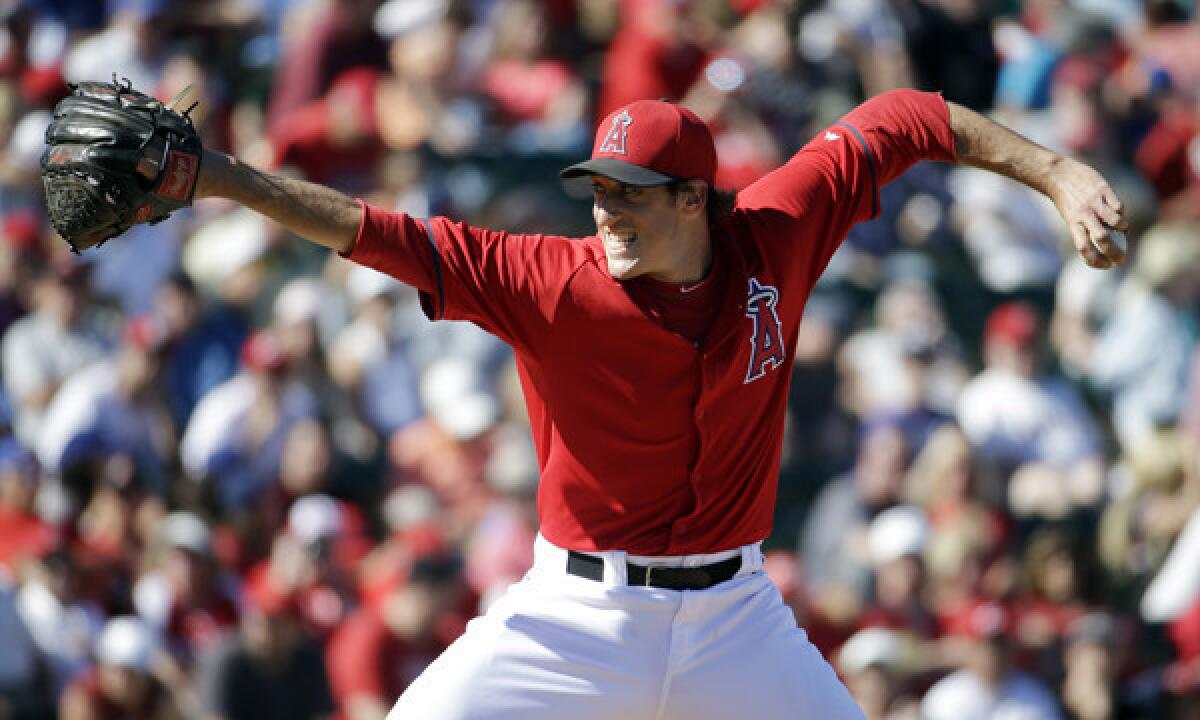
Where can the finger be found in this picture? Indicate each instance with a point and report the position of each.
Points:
(1113, 201)
(1083, 244)
(1108, 215)
(1110, 199)
(1102, 241)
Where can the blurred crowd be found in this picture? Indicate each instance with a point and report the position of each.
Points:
(243, 478)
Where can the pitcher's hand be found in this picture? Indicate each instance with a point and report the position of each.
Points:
(1093, 212)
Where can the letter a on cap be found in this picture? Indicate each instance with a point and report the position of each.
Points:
(614, 141)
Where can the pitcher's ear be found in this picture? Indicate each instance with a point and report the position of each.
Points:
(694, 194)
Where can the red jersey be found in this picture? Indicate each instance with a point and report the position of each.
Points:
(23, 536)
(364, 658)
(647, 442)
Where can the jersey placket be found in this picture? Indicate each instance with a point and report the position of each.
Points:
(713, 371)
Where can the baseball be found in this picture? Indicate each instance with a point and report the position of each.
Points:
(1118, 237)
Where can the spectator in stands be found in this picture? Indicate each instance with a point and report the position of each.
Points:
(300, 317)
(201, 344)
(320, 42)
(382, 647)
(1056, 588)
(234, 441)
(308, 466)
(1009, 233)
(429, 96)
(540, 99)
(908, 361)
(316, 555)
(1015, 415)
(123, 687)
(63, 622)
(987, 685)
(20, 231)
(448, 450)
(834, 543)
(950, 47)
(1091, 685)
(499, 550)
(23, 534)
(22, 693)
(968, 530)
(334, 140)
(270, 670)
(1138, 528)
(896, 544)
(185, 597)
(367, 361)
(1142, 355)
(658, 52)
(112, 408)
(43, 348)
(133, 44)
(875, 664)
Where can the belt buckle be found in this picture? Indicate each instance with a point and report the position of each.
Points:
(650, 568)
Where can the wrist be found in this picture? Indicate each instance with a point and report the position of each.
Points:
(1047, 180)
(1059, 177)
(214, 169)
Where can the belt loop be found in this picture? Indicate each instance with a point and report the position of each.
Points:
(616, 569)
(752, 559)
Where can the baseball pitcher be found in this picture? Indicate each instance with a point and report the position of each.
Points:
(655, 357)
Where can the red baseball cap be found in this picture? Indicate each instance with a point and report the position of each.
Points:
(262, 352)
(144, 332)
(982, 620)
(650, 142)
(1015, 323)
(262, 593)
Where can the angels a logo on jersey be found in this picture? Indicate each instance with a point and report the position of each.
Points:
(614, 141)
(766, 338)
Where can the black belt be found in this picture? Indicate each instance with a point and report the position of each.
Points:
(670, 578)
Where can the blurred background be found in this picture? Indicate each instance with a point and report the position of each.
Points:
(241, 477)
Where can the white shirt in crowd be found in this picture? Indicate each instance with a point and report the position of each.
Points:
(962, 696)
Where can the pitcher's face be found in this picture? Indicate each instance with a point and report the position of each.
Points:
(639, 227)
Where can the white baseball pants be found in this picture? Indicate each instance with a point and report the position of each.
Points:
(557, 647)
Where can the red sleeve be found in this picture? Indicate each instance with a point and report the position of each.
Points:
(355, 659)
(833, 182)
(902, 127)
(396, 244)
(507, 284)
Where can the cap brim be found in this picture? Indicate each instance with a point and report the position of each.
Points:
(620, 170)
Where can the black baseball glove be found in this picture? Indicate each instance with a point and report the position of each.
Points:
(115, 158)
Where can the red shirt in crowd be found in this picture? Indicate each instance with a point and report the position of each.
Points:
(197, 626)
(365, 658)
(646, 62)
(523, 91)
(23, 536)
(648, 442)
